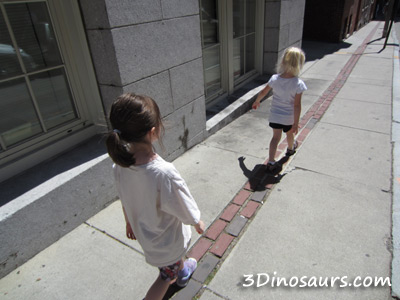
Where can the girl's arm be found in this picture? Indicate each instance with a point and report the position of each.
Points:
(297, 111)
(129, 231)
(260, 96)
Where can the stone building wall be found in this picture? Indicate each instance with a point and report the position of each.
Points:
(151, 47)
(283, 28)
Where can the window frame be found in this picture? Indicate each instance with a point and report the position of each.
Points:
(228, 82)
(71, 40)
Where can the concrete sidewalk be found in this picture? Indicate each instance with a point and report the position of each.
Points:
(330, 215)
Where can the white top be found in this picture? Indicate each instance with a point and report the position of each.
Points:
(158, 204)
(284, 91)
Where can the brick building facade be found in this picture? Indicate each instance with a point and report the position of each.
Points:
(334, 20)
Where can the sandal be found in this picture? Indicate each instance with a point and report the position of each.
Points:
(291, 152)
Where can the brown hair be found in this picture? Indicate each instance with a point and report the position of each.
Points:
(131, 117)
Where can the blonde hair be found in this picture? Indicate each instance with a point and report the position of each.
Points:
(292, 61)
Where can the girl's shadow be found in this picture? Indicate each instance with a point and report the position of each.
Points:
(172, 290)
(260, 176)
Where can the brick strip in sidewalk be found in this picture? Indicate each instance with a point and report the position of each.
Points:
(212, 249)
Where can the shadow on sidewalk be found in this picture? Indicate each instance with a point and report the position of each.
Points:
(384, 44)
(172, 290)
(16, 186)
(316, 50)
(260, 176)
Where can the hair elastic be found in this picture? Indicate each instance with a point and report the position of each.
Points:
(117, 131)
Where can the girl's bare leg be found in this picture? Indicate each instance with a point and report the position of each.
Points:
(273, 145)
(290, 139)
(159, 288)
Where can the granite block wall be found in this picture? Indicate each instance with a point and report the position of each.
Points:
(154, 47)
(283, 27)
(151, 47)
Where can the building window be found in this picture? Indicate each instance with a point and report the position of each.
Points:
(48, 91)
(243, 36)
(229, 41)
(211, 47)
(35, 94)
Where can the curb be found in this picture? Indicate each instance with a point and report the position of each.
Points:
(396, 173)
(222, 235)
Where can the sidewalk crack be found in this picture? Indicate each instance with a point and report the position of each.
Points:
(112, 237)
(215, 293)
(355, 128)
(232, 151)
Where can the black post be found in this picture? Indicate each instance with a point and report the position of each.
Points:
(393, 16)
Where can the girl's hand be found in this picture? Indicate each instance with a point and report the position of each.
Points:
(295, 128)
(200, 227)
(256, 104)
(261, 96)
(129, 232)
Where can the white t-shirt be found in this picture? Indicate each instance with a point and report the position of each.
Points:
(284, 90)
(158, 204)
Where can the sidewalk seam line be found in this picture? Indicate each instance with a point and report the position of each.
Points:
(112, 237)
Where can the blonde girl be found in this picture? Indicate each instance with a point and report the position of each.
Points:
(287, 90)
(157, 204)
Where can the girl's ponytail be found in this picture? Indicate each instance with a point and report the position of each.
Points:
(119, 150)
(131, 117)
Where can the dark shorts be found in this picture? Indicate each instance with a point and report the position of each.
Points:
(285, 128)
(169, 273)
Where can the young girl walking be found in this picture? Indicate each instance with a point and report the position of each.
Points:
(157, 204)
(287, 90)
